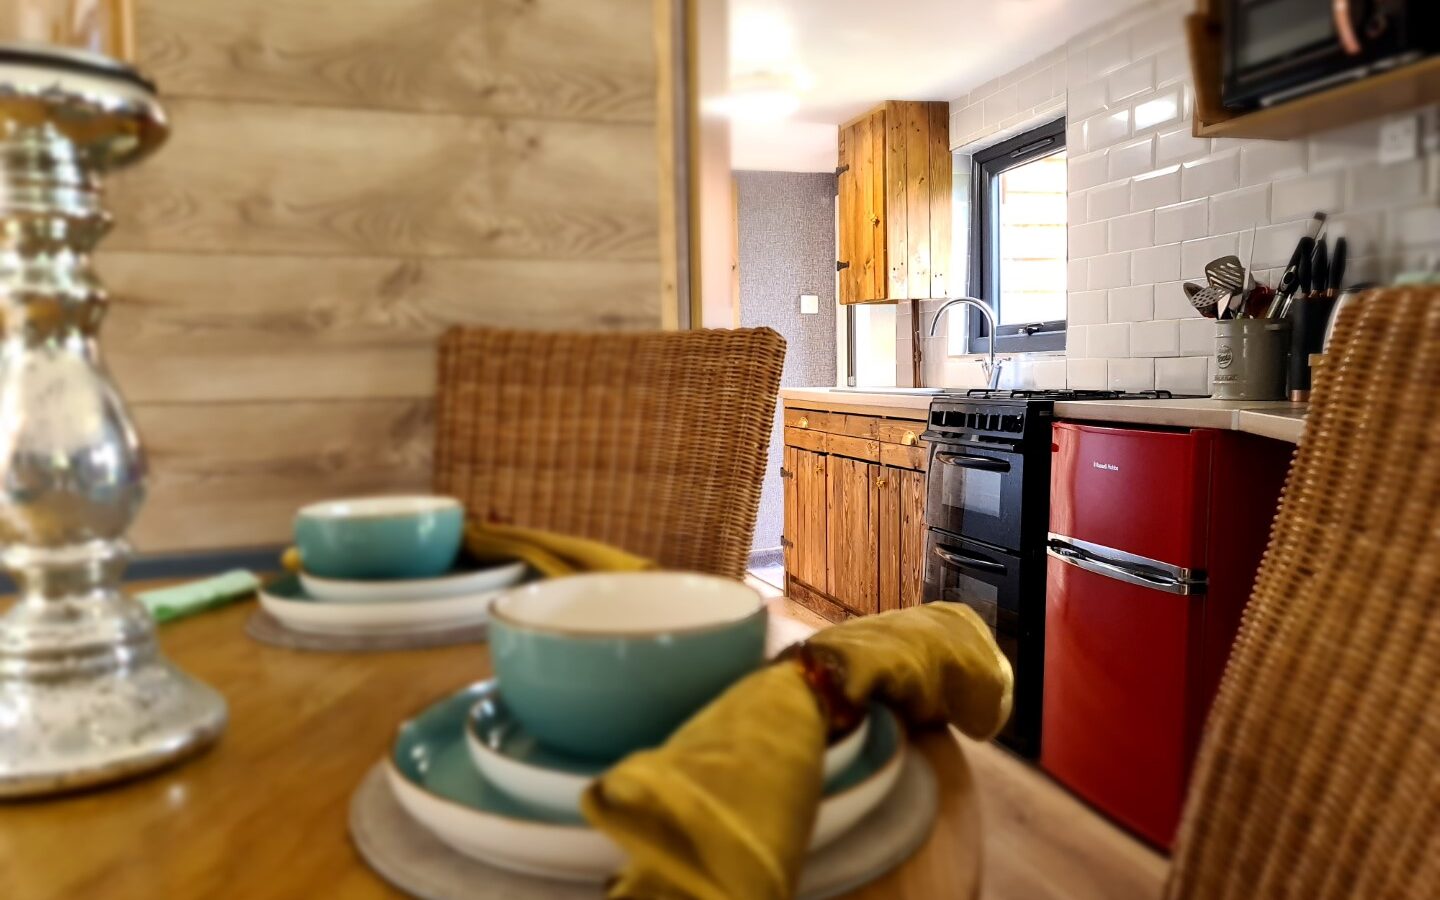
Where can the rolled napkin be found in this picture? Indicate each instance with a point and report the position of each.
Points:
(550, 554)
(725, 807)
(181, 600)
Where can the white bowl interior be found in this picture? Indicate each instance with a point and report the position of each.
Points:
(366, 507)
(626, 603)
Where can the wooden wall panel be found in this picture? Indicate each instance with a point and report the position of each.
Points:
(917, 198)
(896, 227)
(558, 59)
(346, 179)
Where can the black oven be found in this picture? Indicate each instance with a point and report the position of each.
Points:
(1008, 591)
(977, 491)
(1278, 49)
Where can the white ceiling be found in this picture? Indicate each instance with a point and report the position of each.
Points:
(849, 55)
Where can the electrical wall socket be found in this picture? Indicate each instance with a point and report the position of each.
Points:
(1399, 140)
(809, 304)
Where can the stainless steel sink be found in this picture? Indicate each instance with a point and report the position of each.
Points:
(923, 391)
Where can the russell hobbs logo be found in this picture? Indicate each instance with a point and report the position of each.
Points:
(1108, 467)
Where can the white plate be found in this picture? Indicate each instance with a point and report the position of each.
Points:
(446, 794)
(525, 769)
(287, 601)
(459, 584)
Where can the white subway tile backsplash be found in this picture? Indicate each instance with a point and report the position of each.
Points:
(1087, 374)
(1195, 254)
(1182, 222)
(1356, 145)
(1371, 187)
(1106, 129)
(1131, 159)
(1299, 198)
(968, 120)
(1265, 161)
(1211, 175)
(1107, 55)
(1110, 271)
(1089, 308)
(1179, 145)
(1154, 264)
(1183, 375)
(1109, 341)
(1172, 67)
(1108, 201)
(1076, 342)
(1077, 274)
(1274, 245)
(1160, 30)
(1158, 110)
(1089, 170)
(1245, 208)
(1197, 337)
(1361, 231)
(1077, 201)
(1086, 98)
(1416, 227)
(1171, 302)
(1088, 240)
(1136, 78)
(1132, 374)
(1155, 189)
(1132, 232)
(1132, 304)
(1158, 338)
(1001, 106)
(1048, 374)
(1035, 89)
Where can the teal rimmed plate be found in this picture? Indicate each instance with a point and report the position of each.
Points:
(517, 762)
(432, 775)
(285, 598)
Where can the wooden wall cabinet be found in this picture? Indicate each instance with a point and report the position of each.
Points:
(854, 512)
(895, 203)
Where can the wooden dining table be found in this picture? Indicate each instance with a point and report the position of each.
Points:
(263, 812)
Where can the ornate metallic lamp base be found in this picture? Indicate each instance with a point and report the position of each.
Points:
(85, 695)
(83, 732)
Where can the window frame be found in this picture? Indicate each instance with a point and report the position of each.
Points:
(986, 168)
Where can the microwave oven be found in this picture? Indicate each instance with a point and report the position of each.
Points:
(1275, 50)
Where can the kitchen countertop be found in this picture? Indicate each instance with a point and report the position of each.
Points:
(1276, 419)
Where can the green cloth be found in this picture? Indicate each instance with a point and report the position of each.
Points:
(181, 600)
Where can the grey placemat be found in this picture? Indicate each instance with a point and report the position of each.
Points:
(266, 629)
(408, 856)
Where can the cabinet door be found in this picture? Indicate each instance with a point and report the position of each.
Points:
(853, 557)
(901, 527)
(861, 221)
(805, 503)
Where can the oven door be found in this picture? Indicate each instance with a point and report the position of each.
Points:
(1008, 592)
(976, 492)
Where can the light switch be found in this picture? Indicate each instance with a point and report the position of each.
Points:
(1399, 140)
(809, 304)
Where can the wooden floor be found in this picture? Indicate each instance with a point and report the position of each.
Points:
(1041, 843)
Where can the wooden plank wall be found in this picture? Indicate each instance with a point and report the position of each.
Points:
(345, 179)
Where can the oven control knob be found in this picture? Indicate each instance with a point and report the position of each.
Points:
(1015, 424)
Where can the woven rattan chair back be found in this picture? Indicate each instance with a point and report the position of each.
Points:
(1319, 772)
(654, 442)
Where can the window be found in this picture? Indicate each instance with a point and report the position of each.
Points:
(1018, 241)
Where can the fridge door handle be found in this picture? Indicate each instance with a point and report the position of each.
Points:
(1081, 560)
(967, 562)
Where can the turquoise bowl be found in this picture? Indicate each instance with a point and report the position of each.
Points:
(374, 538)
(602, 665)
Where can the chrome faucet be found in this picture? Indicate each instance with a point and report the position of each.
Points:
(989, 367)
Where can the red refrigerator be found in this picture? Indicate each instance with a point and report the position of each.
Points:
(1155, 538)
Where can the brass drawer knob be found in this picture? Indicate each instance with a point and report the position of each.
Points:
(804, 421)
(908, 439)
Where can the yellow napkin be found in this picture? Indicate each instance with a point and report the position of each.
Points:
(724, 809)
(548, 553)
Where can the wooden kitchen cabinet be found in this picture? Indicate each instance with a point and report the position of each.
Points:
(895, 200)
(854, 511)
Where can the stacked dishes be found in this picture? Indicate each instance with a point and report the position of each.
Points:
(385, 566)
(589, 669)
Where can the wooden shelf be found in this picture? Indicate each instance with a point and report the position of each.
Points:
(1405, 88)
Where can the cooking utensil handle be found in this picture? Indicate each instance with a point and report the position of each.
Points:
(960, 559)
(1345, 27)
(966, 461)
(1081, 560)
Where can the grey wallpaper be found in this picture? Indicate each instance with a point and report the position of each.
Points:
(787, 248)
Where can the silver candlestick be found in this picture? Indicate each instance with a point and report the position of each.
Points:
(85, 694)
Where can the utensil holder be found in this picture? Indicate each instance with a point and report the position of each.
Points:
(1250, 359)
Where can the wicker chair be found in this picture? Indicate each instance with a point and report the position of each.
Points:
(1319, 771)
(653, 442)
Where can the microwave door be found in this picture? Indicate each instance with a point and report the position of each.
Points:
(1126, 568)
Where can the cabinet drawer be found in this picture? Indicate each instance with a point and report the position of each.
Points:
(906, 434)
(854, 447)
(805, 440)
(904, 457)
(831, 423)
